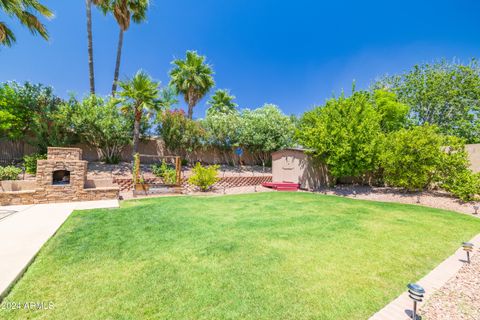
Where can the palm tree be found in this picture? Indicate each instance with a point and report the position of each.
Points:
(168, 97)
(90, 46)
(193, 78)
(124, 11)
(221, 102)
(26, 11)
(140, 93)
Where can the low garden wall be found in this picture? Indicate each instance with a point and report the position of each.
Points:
(125, 184)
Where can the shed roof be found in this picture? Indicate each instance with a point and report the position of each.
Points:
(291, 149)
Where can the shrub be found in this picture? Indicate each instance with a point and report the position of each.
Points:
(421, 157)
(454, 173)
(100, 124)
(204, 177)
(166, 172)
(465, 185)
(30, 162)
(411, 157)
(344, 134)
(9, 173)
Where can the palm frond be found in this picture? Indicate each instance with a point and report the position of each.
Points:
(7, 38)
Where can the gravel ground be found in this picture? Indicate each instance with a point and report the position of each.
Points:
(434, 199)
(459, 298)
(97, 170)
(216, 192)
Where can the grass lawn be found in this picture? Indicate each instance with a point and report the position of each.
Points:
(258, 256)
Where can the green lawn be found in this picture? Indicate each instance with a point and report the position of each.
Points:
(258, 256)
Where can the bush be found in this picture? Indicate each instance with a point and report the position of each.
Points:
(344, 134)
(411, 157)
(465, 185)
(421, 157)
(30, 162)
(9, 173)
(204, 177)
(454, 173)
(164, 171)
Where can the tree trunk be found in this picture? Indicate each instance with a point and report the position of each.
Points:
(117, 63)
(90, 46)
(190, 110)
(136, 130)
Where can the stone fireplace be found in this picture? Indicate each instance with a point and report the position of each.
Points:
(62, 177)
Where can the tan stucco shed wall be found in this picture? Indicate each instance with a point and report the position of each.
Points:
(474, 156)
(293, 165)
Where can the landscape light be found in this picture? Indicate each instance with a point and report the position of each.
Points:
(415, 292)
(476, 209)
(468, 247)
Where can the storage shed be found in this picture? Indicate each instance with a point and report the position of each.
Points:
(295, 165)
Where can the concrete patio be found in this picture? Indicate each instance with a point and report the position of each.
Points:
(25, 229)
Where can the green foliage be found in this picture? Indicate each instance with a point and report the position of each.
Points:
(180, 134)
(9, 173)
(100, 124)
(27, 12)
(164, 171)
(444, 94)
(454, 174)
(344, 134)
(393, 114)
(30, 162)
(140, 99)
(223, 131)
(193, 78)
(29, 112)
(221, 102)
(204, 177)
(421, 157)
(265, 130)
(168, 97)
(411, 157)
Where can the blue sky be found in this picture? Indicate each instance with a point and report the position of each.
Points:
(295, 54)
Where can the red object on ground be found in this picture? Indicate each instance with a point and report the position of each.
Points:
(282, 186)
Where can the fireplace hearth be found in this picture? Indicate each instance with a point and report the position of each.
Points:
(60, 177)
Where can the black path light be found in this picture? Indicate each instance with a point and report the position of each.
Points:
(468, 247)
(415, 292)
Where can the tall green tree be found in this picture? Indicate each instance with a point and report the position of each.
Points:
(100, 124)
(193, 78)
(91, 70)
(29, 112)
(124, 11)
(393, 113)
(140, 95)
(223, 131)
(27, 12)
(443, 94)
(168, 97)
(221, 102)
(181, 135)
(344, 134)
(265, 130)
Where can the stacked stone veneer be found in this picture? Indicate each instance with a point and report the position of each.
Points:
(44, 191)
